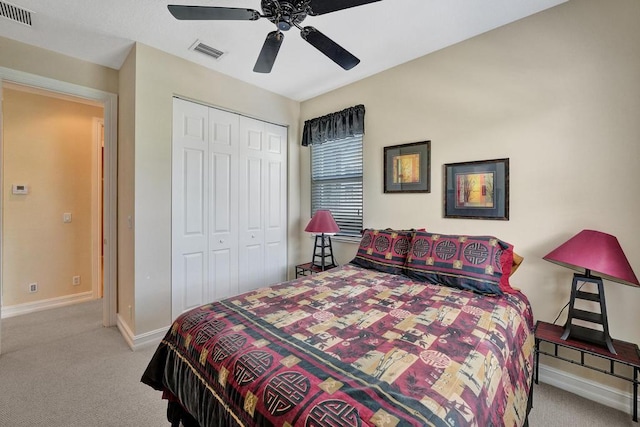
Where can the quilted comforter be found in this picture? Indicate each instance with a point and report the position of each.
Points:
(351, 347)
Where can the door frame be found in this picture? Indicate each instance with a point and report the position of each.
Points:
(97, 217)
(109, 102)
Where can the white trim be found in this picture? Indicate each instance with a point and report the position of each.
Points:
(51, 94)
(138, 342)
(582, 387)
(96, 207)
(33, 307)
(109, 101)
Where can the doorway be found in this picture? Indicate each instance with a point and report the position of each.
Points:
(51, 211)
(108, 102)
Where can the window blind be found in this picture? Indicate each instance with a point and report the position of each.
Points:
(336, 182)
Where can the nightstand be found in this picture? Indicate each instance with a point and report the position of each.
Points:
(309, 269)
(628, 354)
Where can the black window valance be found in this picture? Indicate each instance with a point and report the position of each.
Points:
(343, 124)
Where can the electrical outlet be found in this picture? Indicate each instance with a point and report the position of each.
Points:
(33, 287)
(66, 217)
(76, 280)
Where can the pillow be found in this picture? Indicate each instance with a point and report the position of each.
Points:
(383, 250)
(506, 268)
(477, 263)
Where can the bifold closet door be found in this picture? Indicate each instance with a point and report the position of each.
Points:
(262, 204)
(229, 205)
(223, 204)
(189, 200)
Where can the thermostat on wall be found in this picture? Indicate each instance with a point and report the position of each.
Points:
(19, 189)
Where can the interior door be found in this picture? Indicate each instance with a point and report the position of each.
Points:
(275, 150)
(223, 202)
(262, 204)
(190, 193)
(251, 204)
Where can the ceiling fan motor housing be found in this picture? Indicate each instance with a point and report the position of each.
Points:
(285, 14)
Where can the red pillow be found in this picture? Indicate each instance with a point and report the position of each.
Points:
(506, 262)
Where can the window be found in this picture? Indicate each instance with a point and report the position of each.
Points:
(336, 182)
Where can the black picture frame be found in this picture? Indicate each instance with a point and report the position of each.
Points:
(477, 190)
(415, 160)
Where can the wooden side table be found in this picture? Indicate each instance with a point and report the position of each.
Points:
(309, 268)
(628, 354)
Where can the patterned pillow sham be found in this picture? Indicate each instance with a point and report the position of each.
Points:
(477, 263)
(383, 250)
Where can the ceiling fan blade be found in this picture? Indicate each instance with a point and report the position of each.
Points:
(269, 51)
(207, 13)
(319, 7)
(331, 49)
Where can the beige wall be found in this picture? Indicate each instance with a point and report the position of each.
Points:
(158, 77)
(34, 60)
(47, 145)
(126, 165)
(557, 93)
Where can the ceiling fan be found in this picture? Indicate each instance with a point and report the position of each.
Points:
(284, 14)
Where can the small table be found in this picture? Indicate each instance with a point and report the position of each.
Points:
(309, 268)
(628, 354)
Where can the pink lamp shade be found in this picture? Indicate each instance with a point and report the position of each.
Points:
(595, 252)
(322, 222)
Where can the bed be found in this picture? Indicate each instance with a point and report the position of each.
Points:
(390, 339)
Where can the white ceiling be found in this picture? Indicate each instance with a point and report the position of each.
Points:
(382, 34)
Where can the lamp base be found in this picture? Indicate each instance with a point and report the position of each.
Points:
(583, 333)
(323, 250)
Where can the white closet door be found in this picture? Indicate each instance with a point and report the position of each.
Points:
(229, 205)
(189, 205)
(223, 204)
(251, 204)
(262, 204)
(275, 154)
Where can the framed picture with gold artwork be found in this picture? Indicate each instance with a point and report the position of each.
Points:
(407, 168)
(478, 190)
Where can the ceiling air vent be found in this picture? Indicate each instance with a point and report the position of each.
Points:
(15, 13)
(198, 46)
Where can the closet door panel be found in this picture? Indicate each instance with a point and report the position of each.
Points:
(275, 203)
(194, 289)
(223, 274)
(223, 206)
(189, 206)
(251, 206)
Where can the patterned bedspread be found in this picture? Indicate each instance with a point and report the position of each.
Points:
(351, 347)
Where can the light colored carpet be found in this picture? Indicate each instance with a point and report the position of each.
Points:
(61, 368)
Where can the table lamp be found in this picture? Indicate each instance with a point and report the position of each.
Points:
(597, 253)
(322, 223)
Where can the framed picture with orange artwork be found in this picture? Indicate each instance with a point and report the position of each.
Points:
(407, 168)
(477, 190)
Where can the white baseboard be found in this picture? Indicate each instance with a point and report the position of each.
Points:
(32, 307)
(596, 392)
(136, 342)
